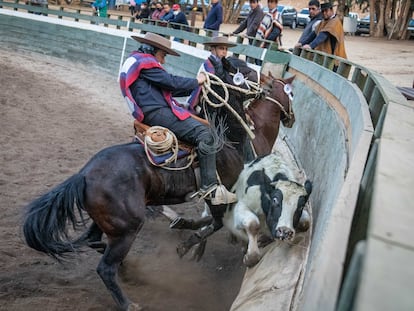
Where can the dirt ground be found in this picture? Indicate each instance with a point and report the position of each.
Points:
(54, 116)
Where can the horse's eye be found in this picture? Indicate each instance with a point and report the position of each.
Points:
(275, 201)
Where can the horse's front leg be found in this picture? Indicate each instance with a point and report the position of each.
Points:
(198, 240)
(192, 224)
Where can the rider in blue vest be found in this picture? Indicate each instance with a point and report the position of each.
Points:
(149, 89)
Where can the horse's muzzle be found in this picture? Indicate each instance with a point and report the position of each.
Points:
(288, 121)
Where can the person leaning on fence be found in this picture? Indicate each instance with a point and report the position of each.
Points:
(158, 12)
(329, 36)
(270, 27)
(144, 12)
(251, 22)
(149, 89)
(179, 17)
(316, 17)
(168, 13)
(135, 7)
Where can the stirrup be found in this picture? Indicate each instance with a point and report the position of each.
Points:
(204, 193)
(217, 194)
(222, 196)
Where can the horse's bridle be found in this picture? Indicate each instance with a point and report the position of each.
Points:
(288, 115)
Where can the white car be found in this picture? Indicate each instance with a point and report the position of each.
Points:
(303, 17)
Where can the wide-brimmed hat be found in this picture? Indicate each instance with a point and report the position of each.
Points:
(220, 41)
(326, 5)
(156, 41)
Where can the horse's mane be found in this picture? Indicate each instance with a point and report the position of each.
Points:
(234, 132)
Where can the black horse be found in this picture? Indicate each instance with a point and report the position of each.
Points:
(115, 187)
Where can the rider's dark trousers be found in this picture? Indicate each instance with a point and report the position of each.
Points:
(190, 131)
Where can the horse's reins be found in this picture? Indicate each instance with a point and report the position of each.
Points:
(206, 90)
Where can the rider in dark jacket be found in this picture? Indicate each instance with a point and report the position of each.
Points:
(148, 90)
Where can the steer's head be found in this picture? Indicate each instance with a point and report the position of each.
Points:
(288, 199)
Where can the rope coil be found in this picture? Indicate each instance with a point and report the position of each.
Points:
(160, 141)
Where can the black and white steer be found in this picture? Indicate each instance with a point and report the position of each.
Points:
(270, 201)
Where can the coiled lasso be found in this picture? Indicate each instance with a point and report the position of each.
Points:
(160, 141)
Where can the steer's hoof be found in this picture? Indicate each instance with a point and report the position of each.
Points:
(251, 260)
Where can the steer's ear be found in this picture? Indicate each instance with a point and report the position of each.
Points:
(308, 186)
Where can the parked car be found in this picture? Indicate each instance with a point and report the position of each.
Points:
(303, 17)
(289, 15)
(363, 26)
(410, 28)
(188, 4)
(244, 11)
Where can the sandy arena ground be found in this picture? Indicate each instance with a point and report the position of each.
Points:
(54, 116)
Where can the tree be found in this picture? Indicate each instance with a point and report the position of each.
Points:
(388, 17)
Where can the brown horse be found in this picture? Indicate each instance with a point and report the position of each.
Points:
(115, 187)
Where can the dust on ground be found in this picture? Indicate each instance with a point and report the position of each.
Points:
(55, 115)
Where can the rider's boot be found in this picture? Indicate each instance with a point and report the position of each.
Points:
(210, 189)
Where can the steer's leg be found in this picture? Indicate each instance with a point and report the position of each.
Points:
(252, 227)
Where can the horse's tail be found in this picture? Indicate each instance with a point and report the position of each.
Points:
(47, 218)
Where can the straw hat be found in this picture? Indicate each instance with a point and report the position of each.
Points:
(156, 41)
(220, 41)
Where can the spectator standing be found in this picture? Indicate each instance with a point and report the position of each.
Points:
(158, 12)
(252, 21)
(214, 17)
(145, 11)
(135, 7)
(112, 4)
(270, 27)
(101, 7)
(168, 13)
(329, 36)
(153, 7)
(316, 17)
(179, 17)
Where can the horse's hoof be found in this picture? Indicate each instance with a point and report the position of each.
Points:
(134, 307)
(182, 250)
(251, 260)
(198, 250)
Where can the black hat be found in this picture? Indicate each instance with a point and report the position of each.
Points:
(326, 5)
